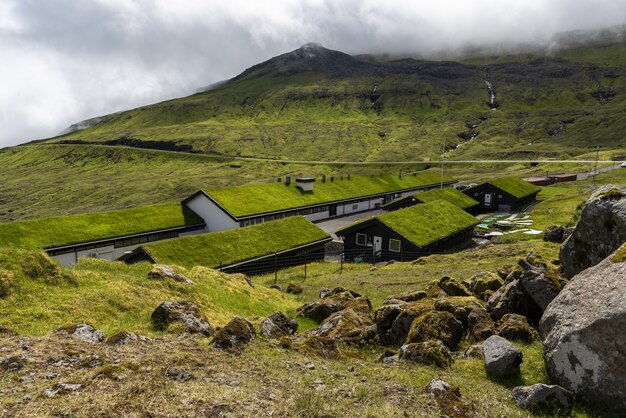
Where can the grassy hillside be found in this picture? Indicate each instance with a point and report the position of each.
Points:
(327, 105)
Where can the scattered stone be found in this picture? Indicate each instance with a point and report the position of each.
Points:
(179, 374)
(459, 306)
(333, 301)
(165, 272)
(583, 335)
(13, 364)
(125, 337)
(183, 313)
(411, 296)
(449, 399)
(482, 282)
(277, 287)
(347, 327)
(237, 332)
(278, 325)
(554, 233)
(394, 321)
(513, 298)
(294, 288)
(453, 287)
(516, 327)
(62, 388)
(600, 231)
(480, 325)
(442, 326)
(325, 293)
(474, 351)
(501, 357)
(82, 332)
(432, 352)
(551, 399)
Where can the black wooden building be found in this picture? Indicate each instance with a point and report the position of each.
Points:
(504, 195)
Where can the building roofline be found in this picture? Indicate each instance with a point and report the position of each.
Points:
(499, 188)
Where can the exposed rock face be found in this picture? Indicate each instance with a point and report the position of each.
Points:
(237, 332)
(334, 301)
(278, 325)
(480, 325)
(183, 313)
(540, 287)
(165, 272)
(449, 399)
(394, 321)
(547, 398)
(430, 352)
(516, 327)
(501, 357)
(347, 327)
(583, 335)
(600, 231)
(513, 298)
(442, 326)
(82, 332)
(554, 233)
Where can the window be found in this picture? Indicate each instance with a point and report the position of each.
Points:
(361, 239)
(394, 245)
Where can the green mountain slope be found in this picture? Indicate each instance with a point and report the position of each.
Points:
(315, 103)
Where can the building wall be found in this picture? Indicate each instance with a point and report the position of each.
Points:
(214, 217)
(499, 200)
(353, 250)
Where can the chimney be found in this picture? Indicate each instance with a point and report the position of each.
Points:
(305, 183)
(323, 178)
(287, 180)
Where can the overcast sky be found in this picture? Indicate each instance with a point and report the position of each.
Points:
(62, 61)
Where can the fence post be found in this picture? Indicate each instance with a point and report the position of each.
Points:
(275, 267)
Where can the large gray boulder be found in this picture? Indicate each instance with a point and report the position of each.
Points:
(584, 334)
(542, 397)
(599, 232)
(501, 357)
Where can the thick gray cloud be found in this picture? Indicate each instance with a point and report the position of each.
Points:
(68, 60)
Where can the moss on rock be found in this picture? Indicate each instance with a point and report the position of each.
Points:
(459, 306)
(431, 352)
(436, 325)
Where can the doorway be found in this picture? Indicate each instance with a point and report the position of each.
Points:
(487, 199)
(378, 244)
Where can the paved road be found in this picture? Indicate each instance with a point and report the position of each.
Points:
(333, 225)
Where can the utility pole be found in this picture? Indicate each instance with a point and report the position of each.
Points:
(443, 155)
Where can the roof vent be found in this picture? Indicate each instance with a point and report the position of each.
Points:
(305, 183)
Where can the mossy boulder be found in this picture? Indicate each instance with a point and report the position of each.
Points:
(236, 333)
(480, 325)
(394, 321)
(448, 397)
(452, 287)
(313, 345)
(436, 325)
(335, 302)
(165, 272)
(480, 283)
(347, 327)
(411, 296)
(433, 290)
(82, 332)
(431, 352)
(278, 325)
(459, 306)
(516, 327)
(620, 255)
(184, 315)
(124, 337)
(554, 233)
(294, 288)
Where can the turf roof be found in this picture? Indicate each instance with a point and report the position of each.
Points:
(234, 245)
(74, 229)
(253, 199)
(427, 223)
(514, 186)
(449, 194)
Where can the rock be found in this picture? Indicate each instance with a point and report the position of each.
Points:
(434, 291)
(480, 325)
(583, 334)
(294, 288)
(501, 357)
(185, 314)
(278, 325)
(452, 287)
(459, 306)
(394, 321)
(12, 364)
(516, 327)
(62, 388)
(554, 233)
(325, 293)
(482, 282)
(165, 272)
(347, 327)
(125, 337)
(237, 332)
(83, 332)
(276, 286)
(334, 302)
(430, 352)
(540, 397)
(313, 345)
(449, 399)
(542, 287)
(442, 326)
(600, 231)
(513, 298)
(474, 351)
(411, 296)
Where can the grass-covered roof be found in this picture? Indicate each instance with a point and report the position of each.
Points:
(233, 245)
(252, 199)
(74, 229)
(426, 223)
(449, 194)
(514, 186)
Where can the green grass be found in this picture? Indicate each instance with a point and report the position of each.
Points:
(253, 199)
(117, 297)
(65, 230)
(448, 194)
(514, 186)
(226, 247)
(427, 223)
